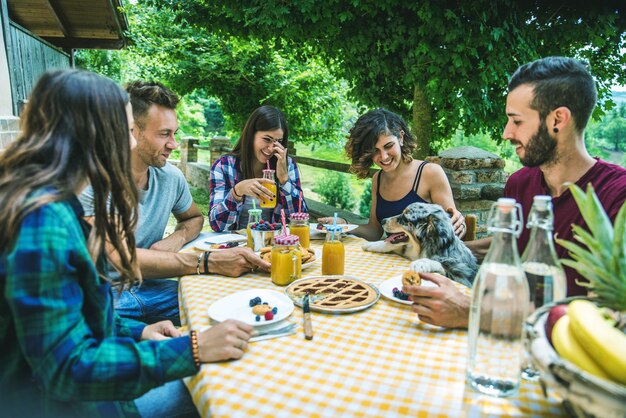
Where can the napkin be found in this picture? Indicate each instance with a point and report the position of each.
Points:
(277, 325)
(215, 238)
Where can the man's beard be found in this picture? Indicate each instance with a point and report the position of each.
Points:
(541, 149)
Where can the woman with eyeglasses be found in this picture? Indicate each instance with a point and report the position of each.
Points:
(258, 169)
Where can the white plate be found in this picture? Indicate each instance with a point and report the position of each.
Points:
(237, 306)
(346, 228)
(318, 256)
(386, 288)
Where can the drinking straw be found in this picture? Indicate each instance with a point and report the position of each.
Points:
(253, 203)
(332, 234)
(268, 165)
(282, 215)
(300, 202)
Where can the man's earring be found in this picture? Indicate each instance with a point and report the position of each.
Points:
(555, 130)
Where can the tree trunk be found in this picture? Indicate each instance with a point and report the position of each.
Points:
(422, 123)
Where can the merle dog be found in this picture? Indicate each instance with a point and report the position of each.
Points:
(423, 233)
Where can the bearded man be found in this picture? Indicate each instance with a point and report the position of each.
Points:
(548, 105)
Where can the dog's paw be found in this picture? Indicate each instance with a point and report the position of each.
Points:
(426, 265)
(376, 247)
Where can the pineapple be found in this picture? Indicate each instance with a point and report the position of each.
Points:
(602, 257)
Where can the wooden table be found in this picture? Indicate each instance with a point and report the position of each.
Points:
(379, 362)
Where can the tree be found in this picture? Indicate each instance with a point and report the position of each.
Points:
(441, 64)
(611, 130)
(242, 73)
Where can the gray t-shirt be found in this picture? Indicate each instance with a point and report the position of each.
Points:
(168, 192)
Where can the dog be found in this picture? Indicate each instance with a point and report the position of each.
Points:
(423, 233)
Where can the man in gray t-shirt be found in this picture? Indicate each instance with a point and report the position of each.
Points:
(163, 190)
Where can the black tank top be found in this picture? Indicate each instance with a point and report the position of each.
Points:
(388, 208)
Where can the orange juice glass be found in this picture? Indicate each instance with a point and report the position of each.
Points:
(286, 260)
(333, 252)
(299, 225)
(269, 175)
(254, 215)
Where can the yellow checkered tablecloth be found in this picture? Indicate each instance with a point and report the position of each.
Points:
(379, 362)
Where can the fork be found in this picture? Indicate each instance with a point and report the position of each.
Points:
(282, 330)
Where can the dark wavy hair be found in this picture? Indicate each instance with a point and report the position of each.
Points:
(365, 133)
(144, 94)
(74, 131)
(264, 118)
(559, 81)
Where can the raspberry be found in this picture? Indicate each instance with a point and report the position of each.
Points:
(269, 316)
(262, 221)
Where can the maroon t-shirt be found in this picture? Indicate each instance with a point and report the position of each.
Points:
(609, 183)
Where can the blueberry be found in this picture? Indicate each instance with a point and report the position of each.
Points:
(258, 318)
(265, 303)
(274, 310)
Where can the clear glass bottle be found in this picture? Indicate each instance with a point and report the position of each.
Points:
(546, 278)
(498, 308)
(545, 275)
(254, 216)
(333, 252)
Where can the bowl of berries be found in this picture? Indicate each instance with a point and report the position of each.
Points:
(262, 233)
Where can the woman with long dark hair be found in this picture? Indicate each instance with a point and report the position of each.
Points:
(237, 178)
(63, 350)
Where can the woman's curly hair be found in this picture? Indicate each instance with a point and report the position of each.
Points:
(365, 133)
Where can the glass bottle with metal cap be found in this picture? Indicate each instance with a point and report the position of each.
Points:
(545, 275)
(498, 308)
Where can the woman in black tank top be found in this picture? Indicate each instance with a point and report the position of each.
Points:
(383, 138)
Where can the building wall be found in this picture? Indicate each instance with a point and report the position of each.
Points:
(6, 106)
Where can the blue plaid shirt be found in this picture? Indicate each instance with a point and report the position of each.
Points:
(63, 351)
(224, 209)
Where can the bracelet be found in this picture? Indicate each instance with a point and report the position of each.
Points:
(235, 192)
(198, 265)
(206, 262)
(195, 349)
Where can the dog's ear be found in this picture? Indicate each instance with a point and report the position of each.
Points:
(440, 229)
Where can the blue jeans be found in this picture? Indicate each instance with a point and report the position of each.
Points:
(171, 400)
(155, 300)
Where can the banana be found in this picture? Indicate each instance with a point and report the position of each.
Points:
(598, 338)
(568, 347)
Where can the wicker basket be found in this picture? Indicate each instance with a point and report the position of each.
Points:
(582, 394)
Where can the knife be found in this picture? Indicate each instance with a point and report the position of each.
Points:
(306, 314)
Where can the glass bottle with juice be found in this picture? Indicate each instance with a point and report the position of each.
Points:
(299, 225)
(254, 216)
(286, 260)
(333, 252)
(268, 174)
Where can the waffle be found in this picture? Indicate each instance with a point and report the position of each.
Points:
(334, 293)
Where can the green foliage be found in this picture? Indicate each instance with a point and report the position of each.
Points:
(365, 201)
(240, 73)
(334, 189)
(440, 65)
(610, 132)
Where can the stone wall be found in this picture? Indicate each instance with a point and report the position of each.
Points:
(9, 130)
(477, 179)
